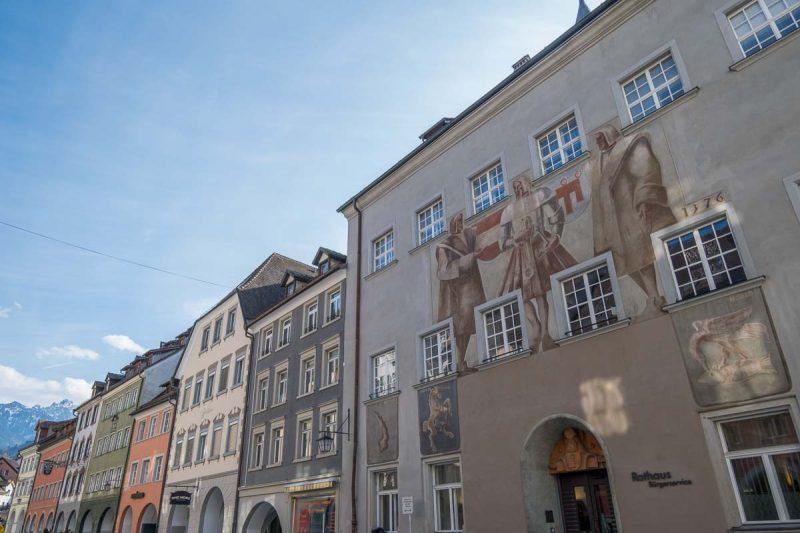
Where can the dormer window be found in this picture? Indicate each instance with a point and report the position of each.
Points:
(290, 288)
(324, 267)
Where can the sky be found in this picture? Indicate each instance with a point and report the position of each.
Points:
(199, 137)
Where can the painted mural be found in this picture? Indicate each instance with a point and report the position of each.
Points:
(730, 350)
(438, 417)
(611, 202)
(382, 432)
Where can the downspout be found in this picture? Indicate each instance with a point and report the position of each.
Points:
(245, 427)
(166, 455)
(357, 373)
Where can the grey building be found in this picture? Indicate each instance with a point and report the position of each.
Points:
(572, 306)
(289, 478)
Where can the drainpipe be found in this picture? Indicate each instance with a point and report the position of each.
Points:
(174, 403)
(245, 428)
(357, 373)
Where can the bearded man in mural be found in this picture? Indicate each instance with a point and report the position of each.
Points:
(532, 226)
(629, 202)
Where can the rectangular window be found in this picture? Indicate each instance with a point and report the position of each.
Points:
(488, 188)
(311, 317)
(331, 362)
(165, 420)
(198, 389)
(210, 382)
(187, 456)
(238, 370)
(304, 438)
(286, 332)
(231, 322)
(140, 433)
(307, 371)
(224, 371)
(145, 471)
(430, 221)
(233, 434)
(157, 468)
(202, 439)
(206, 335)
(276, 445)
(503, 327)
(133, 473)
(266, 341)
(560, 145)
(705, 259)
(448, 499)
(383, 251)
(258, 450)
(589, 300)
(263, 393)
(328, 424)
(281, 382)
(187, 393)
(334, 307)
(153, 426)
(437, 351)
(759, 24)
(653, 88)
(217, 330)
(386, 507)
(216, 438)
(763, 456)
(384, 374)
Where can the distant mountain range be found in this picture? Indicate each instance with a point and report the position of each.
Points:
(18, 423)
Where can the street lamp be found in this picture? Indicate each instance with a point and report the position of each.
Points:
(326, 439)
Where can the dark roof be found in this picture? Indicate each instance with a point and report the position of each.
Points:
(330, 253)
(263, 287)
(549, 49)
(163, 397)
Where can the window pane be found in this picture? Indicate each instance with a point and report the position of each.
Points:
(753, 487)
(761, 432)
(443, 505)
(787, 466)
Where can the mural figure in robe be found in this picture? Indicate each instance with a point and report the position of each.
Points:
(629, 202)
(532, 226)
(460, 285)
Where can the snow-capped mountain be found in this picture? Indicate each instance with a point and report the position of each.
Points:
(18, 422)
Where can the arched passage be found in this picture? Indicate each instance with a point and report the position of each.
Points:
(59, 526)
(565, 474)
(148, 521)
(11, 521)
(41, 525)
(262, 519)
(87, 522)
(106, 522)
(127, 521)
(213, 512)
(70, 526)
(178, 519)
(49, 524)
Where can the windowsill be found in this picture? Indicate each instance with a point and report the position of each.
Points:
(309, 393)
(332, 320)
(329, 454)
(429, 242)
(757, 528)
(220, 393)
(199, 461)
(747, 61)
(714, 295)
(208, 399)
(213, 458)
(563, 168)
(435, 380)
(688, 95)
(375, 273)
(382, 397)
(255, 469)
(228, 335)
(307, 333)
(488, 211)
(203, 350)
(236, 386)
(282, 346)
(228, 454)
(328, 386)
(264, 355)
(619, 324)
(216, 342)
(504, 359)
(276, 404)
(302, 460)
(273, 465)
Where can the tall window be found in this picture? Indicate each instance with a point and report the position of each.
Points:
(233, 434)
(503, 330)
(198, 389)
(448, 500)
(140, 433)
(281, 382)
(328, 423)
(263, 393)
(266, 341)
(276, 445)
(763, 455)
(286, 331)
(311, 317)
(224, 371)
(304, 438)
(437, 350)
(210, 382)
(334, 305)
(187, 393)
(653, 88)
(258, 450)
(384, 374)
(153, 426)
(705, 259)
(238, 370)
(331, 363)
(206, 335)
(165, 420)
(560, 145)
(157, 468)
(202, 440)
(187, 456)
(307, 368)
(759, 24)
(488, 188)
(216, 438)
(430, 221)
(217, 329)
(589, 300)
(386, 507)
(231, 324)
(133, 473)
(383, 251)
(145, 471)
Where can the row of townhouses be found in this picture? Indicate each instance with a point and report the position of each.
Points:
(569, 309)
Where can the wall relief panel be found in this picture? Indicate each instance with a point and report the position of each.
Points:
(382, 432)
(438, 418)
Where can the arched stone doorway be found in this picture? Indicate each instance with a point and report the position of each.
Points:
(565, 479)
(263, 519)
(213, 512)
(178, 519)
(106, 522)
(127, 521)
(87, 522)
(71, 523)
(148, 522)
(59, 522)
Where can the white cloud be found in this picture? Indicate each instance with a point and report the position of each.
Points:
(123, 343)
(69, 351)
(5, 312)
(18, 305)
(30, 391)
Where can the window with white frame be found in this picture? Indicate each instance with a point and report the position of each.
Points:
(488, 188)
(217, 330)
(384, 374)
(187, 393)
(327, 419)
(165, 420)
(383, 251)
(210, 382)
(448, 498)
(157, 465)
(331, 365)
(276, 443)
(224, 371)
(145, 471)
(206, 336)
(262, 392)
(216, 439)
(311, 312)
(652, 88)
(437, 353)
(560, 145)
(231, 324)
(281, 383)
(257, 447)
(198, 389)
(153, 426)
(202, 440)
(187, 455)
(763, 457)
(760, 23)
(334, 307)
(704, 259)
(589, 300)
(266, 341)
(304, 437)
(307, 374)
(386, 501)
(140, 433)
(503, 330)
(430, 221)
(238, 370)
(286, 332)
(233, 434)
(132, 476)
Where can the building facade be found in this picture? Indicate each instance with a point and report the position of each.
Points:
(8, 479)
(28, 463)
(143, 479)
(592, 263)
(288, 482)
(206, 450)
(54, 441)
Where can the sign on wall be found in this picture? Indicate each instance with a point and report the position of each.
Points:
(180, 497)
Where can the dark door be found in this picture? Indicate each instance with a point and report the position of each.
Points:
(586, 502)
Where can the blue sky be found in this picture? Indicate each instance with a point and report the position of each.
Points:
(201, 139)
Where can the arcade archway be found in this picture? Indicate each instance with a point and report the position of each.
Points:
(148, 521)
(106, 522)
(262, 519)
(213, 512)
(178, 519)
(127, 521)
(87, 522)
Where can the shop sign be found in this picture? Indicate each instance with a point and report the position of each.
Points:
(180, 497)
(658, 480)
